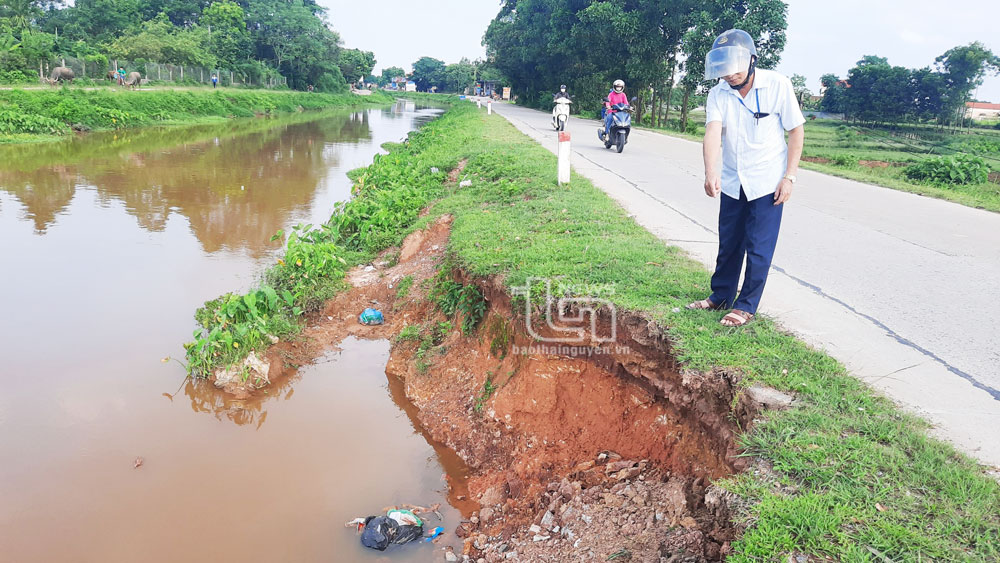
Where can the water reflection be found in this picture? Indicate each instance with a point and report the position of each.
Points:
(205, 398)
(236, 187)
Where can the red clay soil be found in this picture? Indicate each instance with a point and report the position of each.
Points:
(818, 159)
(574, 457)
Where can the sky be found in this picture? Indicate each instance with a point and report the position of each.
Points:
(823, 37)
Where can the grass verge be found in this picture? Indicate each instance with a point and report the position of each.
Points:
(854, 478)
(27, 115)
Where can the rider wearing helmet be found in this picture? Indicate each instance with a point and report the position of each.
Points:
(747, 115)
(561, 93)
(615, 96)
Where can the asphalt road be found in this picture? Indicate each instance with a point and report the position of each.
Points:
(901, 288)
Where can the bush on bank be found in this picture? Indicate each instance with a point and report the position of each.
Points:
(55, 111)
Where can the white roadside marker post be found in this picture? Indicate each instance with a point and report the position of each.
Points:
(564, 157)
(489, 107)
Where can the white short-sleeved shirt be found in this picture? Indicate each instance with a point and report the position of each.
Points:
(754, 153)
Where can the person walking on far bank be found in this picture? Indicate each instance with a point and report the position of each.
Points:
(215, 81)
(748, 113)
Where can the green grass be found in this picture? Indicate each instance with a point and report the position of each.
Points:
(53, 112)
(409, 333)
(835, 456)
(846, 145)
(403, 289)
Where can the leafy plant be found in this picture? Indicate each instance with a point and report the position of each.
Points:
(13, 121)
(441, 331)
(950, 170)
(453, 298)
(232, 325)
(845, 159)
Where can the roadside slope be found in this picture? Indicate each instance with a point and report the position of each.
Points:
(842, 474)
(876, 277)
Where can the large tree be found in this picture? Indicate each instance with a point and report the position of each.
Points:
(292, 36)
(389, 73)
(226, 23)
(159, 40)
(879, 92)
(459, 76)
(428, 73)
(963, 69)
(834, 94)
(356, 64)
(586, 44)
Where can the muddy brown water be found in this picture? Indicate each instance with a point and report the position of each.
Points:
(108, 243)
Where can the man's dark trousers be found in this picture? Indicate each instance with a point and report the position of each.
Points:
(747, 228)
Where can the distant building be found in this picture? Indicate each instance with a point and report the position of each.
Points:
(411, 86)
(844, 83)
(487, 88)
(398, 83)
(982, 110)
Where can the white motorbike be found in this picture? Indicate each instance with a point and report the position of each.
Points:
(560, 113)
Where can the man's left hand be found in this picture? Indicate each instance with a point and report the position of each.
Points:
(784, 191)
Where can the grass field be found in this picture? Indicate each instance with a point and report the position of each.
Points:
(880, 156)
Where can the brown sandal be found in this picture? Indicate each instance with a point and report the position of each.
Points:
(701, 305)
(736, 318)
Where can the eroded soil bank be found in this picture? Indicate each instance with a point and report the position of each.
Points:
(575, 456)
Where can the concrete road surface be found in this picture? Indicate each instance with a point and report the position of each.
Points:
(903, 289)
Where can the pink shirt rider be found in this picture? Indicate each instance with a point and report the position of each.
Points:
(615, 98)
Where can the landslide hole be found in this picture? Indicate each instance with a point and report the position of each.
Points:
(607, 428)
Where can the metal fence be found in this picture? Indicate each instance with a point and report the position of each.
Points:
(260, 77)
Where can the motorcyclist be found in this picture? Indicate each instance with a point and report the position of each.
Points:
(615, 96)
(556, 110)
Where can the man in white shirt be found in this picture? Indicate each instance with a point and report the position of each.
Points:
(748, 113)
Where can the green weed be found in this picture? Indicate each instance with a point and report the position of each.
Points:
(948, 170)
(453, 298)
(488, 389)
(409, 333)
(403, 289)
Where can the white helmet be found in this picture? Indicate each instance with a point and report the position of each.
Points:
(732, 52)
(619, 85)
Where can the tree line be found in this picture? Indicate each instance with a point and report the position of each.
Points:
(876, 92)
(251, 37)
(657, 47)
